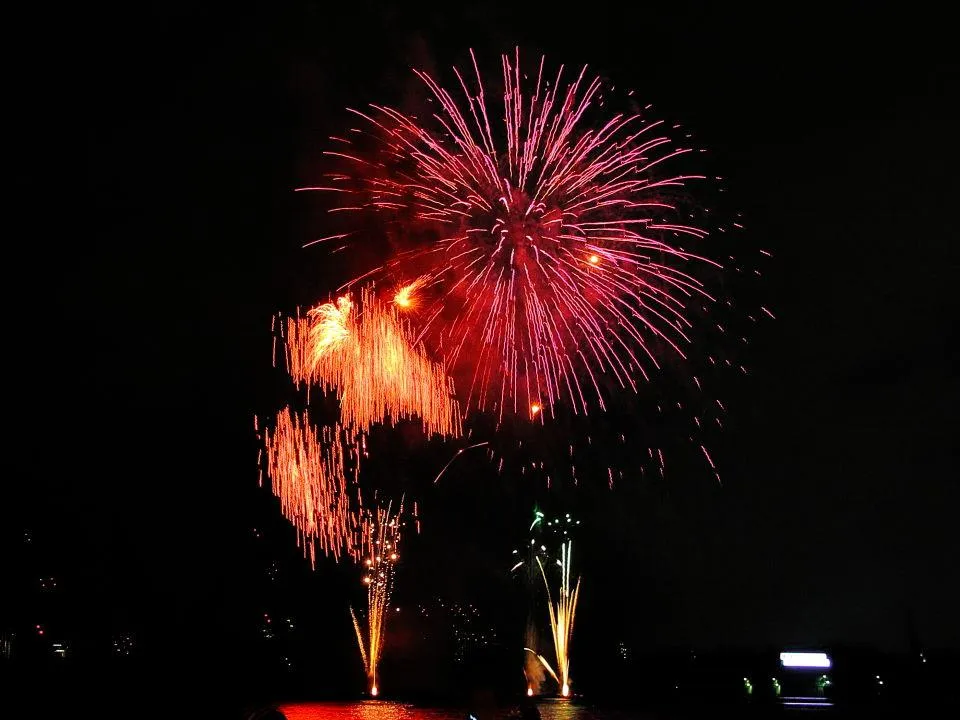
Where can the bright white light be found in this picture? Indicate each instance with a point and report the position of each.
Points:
(804, 660)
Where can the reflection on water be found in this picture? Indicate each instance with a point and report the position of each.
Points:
(377, 710)
(366, 710)
(566, 710)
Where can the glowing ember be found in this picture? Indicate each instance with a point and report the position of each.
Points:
(406, 296)
(529, 691)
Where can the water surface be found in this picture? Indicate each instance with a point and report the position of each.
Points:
(383, 710)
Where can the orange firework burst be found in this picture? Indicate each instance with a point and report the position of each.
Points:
(371, 360)
(308, 474)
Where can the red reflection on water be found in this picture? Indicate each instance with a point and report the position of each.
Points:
(550, 709)
(366, 710)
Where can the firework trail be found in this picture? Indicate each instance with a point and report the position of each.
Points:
(546, 252)
(455, 456)
(381, 543)
(561, 618)
(308, 475)
(369, 358)
(533, 665)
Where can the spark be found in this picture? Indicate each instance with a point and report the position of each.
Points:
(455, 456)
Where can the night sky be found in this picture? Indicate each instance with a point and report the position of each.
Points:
(155, 233)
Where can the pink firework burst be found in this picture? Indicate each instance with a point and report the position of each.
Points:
(547, 248)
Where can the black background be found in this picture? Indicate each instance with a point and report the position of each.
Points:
(154, 232)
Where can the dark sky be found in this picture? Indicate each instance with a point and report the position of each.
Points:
(154, 154)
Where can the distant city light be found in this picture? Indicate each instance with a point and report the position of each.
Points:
(123, 644)
(804, 660)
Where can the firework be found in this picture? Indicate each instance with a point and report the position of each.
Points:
(562, 614)
(563, 611)
(369, 358)
(309, 477)
(381, 542)
(552, 245)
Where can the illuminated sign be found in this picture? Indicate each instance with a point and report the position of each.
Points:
(804, 660)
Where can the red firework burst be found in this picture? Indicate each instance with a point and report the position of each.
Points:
(546, 251)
